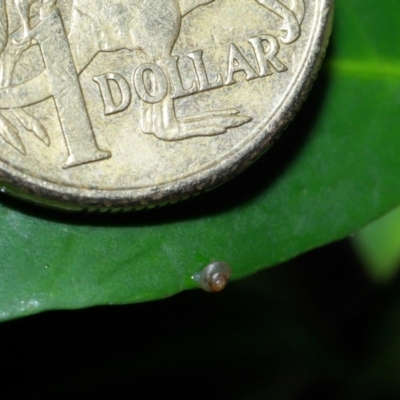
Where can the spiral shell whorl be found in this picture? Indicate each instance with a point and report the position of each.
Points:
(214, 277)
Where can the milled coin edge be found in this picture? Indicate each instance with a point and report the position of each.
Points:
(63, 198)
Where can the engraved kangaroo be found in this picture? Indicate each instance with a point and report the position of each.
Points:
(148, 27)
(10, 54)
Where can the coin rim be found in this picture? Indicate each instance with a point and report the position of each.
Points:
(53, 195)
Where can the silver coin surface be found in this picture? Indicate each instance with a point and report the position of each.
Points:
(136, 103)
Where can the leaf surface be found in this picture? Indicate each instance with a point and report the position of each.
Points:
(333, 171)
(379, 246)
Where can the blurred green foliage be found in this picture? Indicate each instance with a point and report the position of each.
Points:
(379, 246)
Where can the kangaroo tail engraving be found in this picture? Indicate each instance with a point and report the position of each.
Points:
(187, 6)
(292, 17)
(3, 25)
(10, 52)
(165, 124)
(8, 132)
(298, 8)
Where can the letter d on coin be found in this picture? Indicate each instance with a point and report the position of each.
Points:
(132, 104)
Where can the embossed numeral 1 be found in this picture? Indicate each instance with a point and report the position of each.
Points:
(66, 90)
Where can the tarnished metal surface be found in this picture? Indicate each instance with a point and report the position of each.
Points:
(133, 103)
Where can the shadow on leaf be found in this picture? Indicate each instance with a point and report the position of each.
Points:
(236, 193)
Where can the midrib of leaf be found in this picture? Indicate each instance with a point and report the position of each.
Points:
(366, 69)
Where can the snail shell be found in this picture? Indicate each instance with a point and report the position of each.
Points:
(214, 277)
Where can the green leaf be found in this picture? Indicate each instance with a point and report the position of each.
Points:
(333, 171)
(379, 246)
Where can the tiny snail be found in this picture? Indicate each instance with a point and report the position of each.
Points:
(214, 277)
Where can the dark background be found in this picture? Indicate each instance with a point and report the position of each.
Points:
(313, 328)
